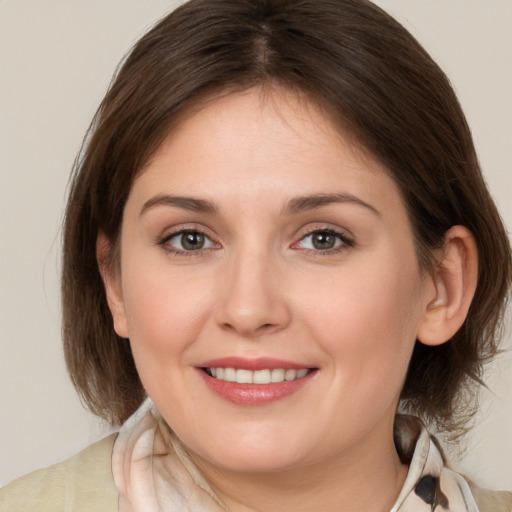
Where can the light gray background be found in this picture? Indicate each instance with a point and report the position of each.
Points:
(56, 58)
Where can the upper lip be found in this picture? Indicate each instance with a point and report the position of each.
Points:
(258, 363)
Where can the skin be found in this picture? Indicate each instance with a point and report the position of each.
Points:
(259, 287)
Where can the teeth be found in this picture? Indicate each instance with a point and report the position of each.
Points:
(241, 376)
(229, 374)
(290, 374)
(277, 375)
(261, 377)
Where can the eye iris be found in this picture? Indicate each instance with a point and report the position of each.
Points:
(323, 240)
(192, 241)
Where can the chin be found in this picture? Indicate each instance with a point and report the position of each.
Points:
(255, 463)
(251, 457)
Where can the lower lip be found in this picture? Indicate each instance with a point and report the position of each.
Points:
(254, 394)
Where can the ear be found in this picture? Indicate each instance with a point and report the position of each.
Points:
(111, 277)
(455, 280)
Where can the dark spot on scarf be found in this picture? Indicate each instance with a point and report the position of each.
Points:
(429, 490)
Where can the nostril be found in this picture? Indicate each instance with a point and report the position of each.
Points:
(250, 331)
(265, 328)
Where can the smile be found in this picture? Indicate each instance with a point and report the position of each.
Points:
(255, 381)
(264, 376)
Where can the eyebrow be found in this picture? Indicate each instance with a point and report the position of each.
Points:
(306, 203)
(296, 205)
(187, 203)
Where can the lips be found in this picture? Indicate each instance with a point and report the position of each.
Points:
(254, 381)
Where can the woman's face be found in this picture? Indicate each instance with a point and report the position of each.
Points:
(259, 245)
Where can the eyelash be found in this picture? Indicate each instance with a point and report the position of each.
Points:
(346, 242)
(164, 242)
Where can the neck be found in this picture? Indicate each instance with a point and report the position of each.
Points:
(368, 479)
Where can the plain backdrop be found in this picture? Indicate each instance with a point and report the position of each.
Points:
(56, 59)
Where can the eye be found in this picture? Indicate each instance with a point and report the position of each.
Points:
(324, 240)
(187, 241)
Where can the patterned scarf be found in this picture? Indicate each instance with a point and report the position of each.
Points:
(153, 472)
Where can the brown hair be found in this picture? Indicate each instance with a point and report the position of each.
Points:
(375, 79)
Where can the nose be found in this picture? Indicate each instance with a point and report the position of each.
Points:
(252, 298)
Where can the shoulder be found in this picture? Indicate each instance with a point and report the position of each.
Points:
(491, 501)
(82, 483)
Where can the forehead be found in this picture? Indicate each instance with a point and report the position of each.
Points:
(268, 120)
(260, 141)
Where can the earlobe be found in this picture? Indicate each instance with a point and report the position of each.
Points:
(455, 280)
(112, 282)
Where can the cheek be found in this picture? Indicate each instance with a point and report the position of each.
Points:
(166, 315)
(368, 314)
(165, 309)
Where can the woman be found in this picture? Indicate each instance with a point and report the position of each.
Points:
(277, 230)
